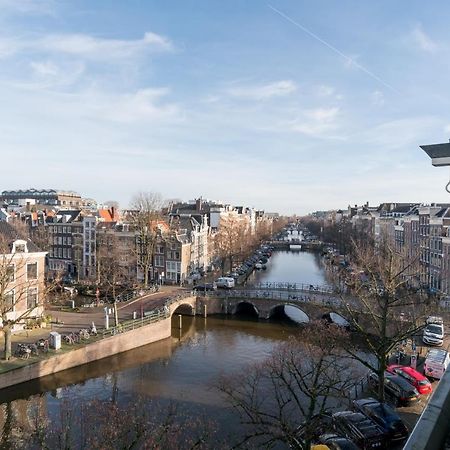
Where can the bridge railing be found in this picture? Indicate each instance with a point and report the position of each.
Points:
(279, 295)
(285, 286)
(152, 316)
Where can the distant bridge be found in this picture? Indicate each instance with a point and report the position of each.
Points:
(305, 245)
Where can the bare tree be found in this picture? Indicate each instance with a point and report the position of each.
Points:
(102, 424)
(22, 289)
(230, 241)
(113, 266)
(146, 216)
(385, 306)
(278, 400)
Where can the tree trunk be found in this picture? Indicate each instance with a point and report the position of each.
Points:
(381, 370)
(145, 276)
(116, 314)
(7, 335)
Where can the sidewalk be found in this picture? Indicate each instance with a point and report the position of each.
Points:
(67, 321)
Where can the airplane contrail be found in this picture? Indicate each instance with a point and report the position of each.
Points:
(334, 49)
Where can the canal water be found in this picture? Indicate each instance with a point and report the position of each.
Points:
(183, 369)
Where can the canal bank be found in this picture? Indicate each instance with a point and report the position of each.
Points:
(184, 374)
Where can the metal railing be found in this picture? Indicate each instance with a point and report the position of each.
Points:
(152, 316)
(126, 296)
(285, 286)
(148, 318)
(285, 296)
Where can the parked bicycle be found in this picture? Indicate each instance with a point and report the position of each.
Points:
(84, 334)
(22, 351)
(43, 345)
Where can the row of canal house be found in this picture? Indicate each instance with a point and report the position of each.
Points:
(421, 231)
(72, 230)
(73, 238)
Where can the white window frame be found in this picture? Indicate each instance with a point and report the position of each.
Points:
(37, 271)
(35, 288)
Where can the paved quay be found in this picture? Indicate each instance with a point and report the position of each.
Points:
(67, 321)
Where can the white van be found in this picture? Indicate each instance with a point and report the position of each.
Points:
(225, 282)
(436, 363)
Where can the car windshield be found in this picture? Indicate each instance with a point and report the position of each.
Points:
(434, 329)
(423, 383)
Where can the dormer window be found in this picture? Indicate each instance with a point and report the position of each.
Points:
(20, 247)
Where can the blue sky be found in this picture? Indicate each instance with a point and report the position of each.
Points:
(288, 106)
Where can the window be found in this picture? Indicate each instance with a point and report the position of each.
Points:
(32, 271)
(19, 248)
(10, 273)
(32, 298)
(159, 261)
(9, 301)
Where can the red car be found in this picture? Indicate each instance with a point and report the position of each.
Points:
(419, 381)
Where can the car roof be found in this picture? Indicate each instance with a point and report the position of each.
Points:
(400, 381)
(410, 371)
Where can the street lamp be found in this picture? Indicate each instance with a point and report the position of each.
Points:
(440, 156)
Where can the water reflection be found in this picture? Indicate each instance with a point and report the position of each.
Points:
(292, 267)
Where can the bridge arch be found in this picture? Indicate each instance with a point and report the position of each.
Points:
(336, 318)
(247, 308)
(185, 309)
(292, 311)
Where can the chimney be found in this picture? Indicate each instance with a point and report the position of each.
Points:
(198, 204)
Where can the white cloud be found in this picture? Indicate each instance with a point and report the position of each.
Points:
(422, 40)
(86, 46)
(400, 133)
(142, 106)
(47, 73)
(317, 122)
(264, 91)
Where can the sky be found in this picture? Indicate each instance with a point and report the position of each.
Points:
(289, 106)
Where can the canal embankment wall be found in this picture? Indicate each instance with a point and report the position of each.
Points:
(92, 352)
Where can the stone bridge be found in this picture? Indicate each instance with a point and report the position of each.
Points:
(307, 304)
(264, 305)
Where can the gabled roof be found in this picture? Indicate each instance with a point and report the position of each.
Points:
(108, 215)
(11, 234)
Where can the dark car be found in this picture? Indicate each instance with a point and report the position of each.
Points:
(205, 287)
(385, 416)
(396, 388)
(359, 428)
(335, 442)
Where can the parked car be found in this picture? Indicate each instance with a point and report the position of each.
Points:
(225, 282)
(436, 363)
(419, 381)
(360, 429)
(433, 333)
(335, 442)
(385, 416)
(396, 388)
(205, 287)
